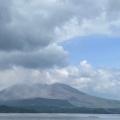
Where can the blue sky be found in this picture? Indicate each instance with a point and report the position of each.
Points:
(100, 51)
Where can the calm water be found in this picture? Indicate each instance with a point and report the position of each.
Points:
(58, 117)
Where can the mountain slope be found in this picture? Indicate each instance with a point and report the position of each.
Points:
(57, 91)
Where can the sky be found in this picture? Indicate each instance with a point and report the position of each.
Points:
(75, 42)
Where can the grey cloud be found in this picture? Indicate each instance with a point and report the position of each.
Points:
(46, 58)
(113, 6)
(23, 32)
(29, 26)
(4, 11)
(88, 9)
(113, 10)
(34, 21)
(26, 34)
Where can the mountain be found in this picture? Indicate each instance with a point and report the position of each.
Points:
(57, 91)
(22, 91)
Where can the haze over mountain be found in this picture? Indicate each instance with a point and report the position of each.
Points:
(56, 91)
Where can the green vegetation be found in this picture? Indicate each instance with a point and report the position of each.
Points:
(7, 109)
(37, 102)
(75, 110)
(38, 109)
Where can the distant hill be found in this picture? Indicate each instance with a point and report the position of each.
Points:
(41, 102)
(57, 91)
(37, 109)
(7, 109)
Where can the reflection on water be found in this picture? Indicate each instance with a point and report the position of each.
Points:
(58, 117)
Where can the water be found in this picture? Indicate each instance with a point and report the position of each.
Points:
(58, 117)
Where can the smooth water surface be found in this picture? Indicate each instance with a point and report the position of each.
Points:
(9, 116)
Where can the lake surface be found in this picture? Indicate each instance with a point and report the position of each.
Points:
(10, 116)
